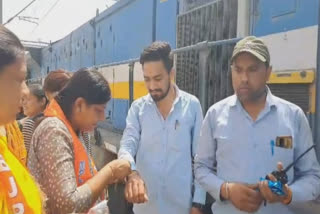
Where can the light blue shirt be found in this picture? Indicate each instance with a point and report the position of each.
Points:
(163, 150)
(234, 148)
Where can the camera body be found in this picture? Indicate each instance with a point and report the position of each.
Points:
(280, 176)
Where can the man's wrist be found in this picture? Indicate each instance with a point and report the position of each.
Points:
(133, 174)
(224, 191)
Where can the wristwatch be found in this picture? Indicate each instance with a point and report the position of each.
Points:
(198, 205)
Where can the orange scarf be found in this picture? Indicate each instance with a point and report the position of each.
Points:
(82, 161)
(18, 191)
(15, 142)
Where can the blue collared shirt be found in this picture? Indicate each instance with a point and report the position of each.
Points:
(163, 150)
(234, 148)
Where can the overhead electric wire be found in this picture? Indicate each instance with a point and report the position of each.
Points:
(45, 15)
(23, 9)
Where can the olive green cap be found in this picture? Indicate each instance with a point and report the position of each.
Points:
(254, 46)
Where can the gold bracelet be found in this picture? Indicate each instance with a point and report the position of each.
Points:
(227, 190)
(112, 174)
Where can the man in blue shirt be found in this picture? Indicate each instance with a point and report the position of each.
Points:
(160, 141)
(244, 136)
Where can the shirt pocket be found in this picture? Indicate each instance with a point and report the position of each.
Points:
(181, 136)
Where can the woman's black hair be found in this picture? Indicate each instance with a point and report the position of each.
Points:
(37, 91)
(86, 83)
(10, 47)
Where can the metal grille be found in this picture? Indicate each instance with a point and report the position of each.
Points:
(220, 85)
(295, 93)
(214, 22)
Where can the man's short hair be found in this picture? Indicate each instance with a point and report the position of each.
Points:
(158, 51)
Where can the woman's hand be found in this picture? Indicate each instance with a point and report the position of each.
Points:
(119, 169)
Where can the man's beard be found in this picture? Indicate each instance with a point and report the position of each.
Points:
(253, 97)
(160, 97)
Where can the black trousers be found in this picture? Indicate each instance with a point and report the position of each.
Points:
(117, 203)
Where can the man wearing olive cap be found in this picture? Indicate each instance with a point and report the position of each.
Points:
(250, 134)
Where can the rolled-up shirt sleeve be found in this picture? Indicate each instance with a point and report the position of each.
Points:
(205, 159)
